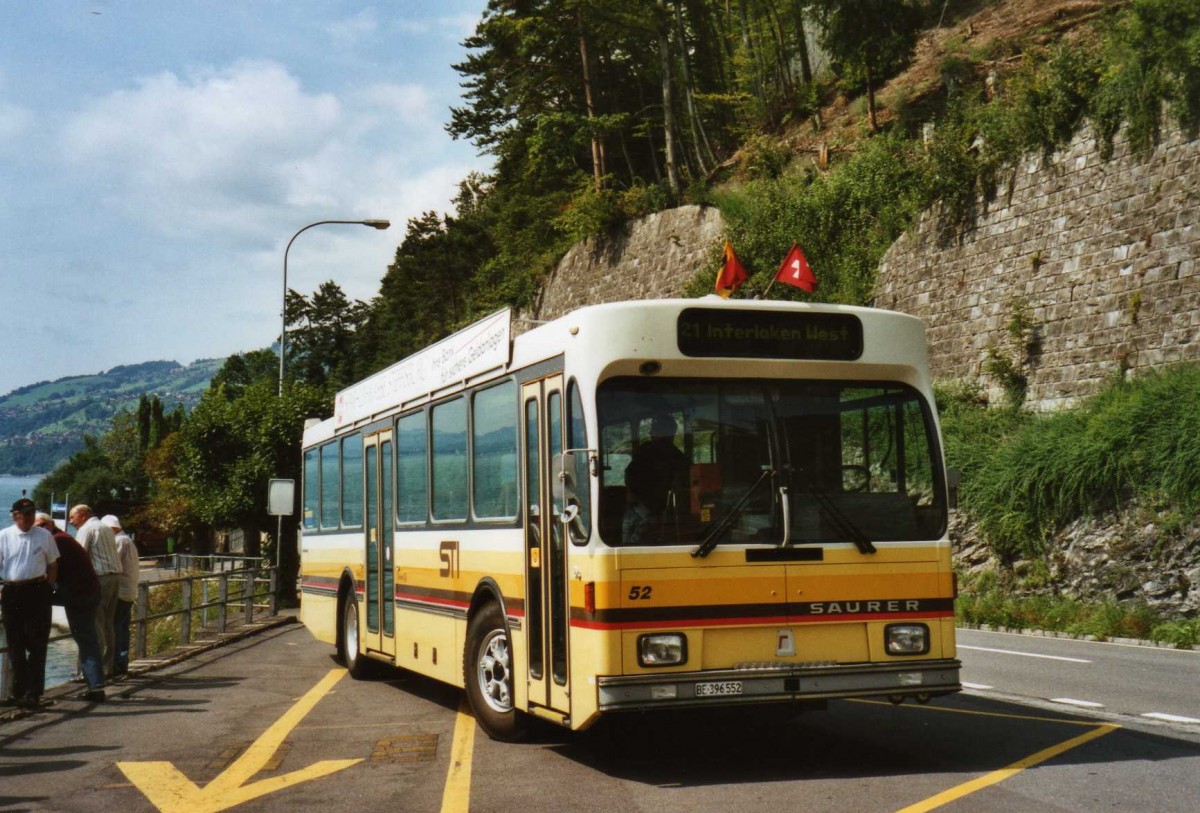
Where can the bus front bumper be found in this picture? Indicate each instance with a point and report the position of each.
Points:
(761, 683)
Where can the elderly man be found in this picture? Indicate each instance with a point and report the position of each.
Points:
(101, 545)
(130, 570)
(28, 566)
(78, 591)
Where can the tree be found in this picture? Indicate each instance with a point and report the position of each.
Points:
(88, 477)
(228, 450)
(433, 286)
(243, 369)
(168, 512)
(871, 38)
(320, 335)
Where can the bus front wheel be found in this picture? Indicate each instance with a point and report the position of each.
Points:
(487, 667)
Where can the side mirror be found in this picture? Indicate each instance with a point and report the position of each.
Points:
(563, 486)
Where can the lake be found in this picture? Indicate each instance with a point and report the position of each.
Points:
(11, 486)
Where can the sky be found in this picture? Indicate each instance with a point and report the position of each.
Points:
(156, 158)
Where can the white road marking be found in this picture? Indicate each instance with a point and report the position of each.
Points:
(1023, 654)
(1070, 701)
(966, 685)
(1068, 639)
(1171, 718)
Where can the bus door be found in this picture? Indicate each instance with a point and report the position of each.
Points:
(378, 530)
(547, 604)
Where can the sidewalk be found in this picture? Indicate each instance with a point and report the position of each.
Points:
(68, 691)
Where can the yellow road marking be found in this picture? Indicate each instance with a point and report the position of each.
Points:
(456, 798)
(995, 777)
(980, 713)
(172, 792)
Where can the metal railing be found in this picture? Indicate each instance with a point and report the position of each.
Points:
(202, 601)
(239, 587)
(207, 562)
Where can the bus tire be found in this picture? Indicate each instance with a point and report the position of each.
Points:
(352, 656)
(487, 675)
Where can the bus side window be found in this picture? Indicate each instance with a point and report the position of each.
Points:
(494, 452)
(331, 486)
(449, 448)
(577, 439)
(312, 486)
(352, 485)
(412, 503)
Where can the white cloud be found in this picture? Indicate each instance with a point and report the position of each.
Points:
(459, 26)
(14, 121)
(212, 150)
(403, 100)
(234, 152)
(453, 28)
(352, 30)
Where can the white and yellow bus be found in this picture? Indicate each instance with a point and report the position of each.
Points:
(651, 504)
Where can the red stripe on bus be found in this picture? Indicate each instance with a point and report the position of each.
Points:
(756, 621)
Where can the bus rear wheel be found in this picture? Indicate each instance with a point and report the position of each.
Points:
(487, 668)
(351, 654)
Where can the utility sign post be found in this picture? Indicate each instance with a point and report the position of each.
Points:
(281, 496)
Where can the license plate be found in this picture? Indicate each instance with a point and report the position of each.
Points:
(718, 689)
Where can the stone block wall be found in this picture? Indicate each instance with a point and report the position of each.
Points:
(1102, 256)
(651, 258)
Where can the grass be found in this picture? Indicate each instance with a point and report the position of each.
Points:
(985, 600)
(1027, 475)
(166, 633)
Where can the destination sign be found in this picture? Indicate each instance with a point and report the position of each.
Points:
(712, 332)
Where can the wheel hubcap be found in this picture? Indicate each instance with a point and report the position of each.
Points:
(495, 671)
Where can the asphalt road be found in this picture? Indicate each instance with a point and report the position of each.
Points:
(273, 724)
(1118, 679)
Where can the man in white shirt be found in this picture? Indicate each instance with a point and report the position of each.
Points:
(98, 540)
(126, 593)
(28, 566)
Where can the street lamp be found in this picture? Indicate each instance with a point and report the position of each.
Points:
(375, 224)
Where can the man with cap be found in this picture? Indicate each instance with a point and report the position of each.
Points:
(78, 592)
(126, 593)
(28, 566)
(98, 540)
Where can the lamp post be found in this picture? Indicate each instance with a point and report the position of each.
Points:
(375, 224)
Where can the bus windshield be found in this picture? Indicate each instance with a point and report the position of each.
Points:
(840, 460)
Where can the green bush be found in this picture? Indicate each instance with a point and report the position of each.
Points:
(1026, 474)
(1180, 634)
(844, 220)
(987, 600)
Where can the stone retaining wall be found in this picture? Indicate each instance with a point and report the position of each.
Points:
(1100, 256)
(651, 258)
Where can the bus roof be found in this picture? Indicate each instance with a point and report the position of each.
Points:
(611, 332)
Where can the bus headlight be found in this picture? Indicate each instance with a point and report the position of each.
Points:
(662, 649)
(906, 639)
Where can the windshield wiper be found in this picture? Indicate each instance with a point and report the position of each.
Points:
(842, 524)
(713, 537)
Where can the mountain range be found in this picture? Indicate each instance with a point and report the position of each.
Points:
(43, 424)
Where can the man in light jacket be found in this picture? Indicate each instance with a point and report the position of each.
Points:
(101, 544)
(126, 593)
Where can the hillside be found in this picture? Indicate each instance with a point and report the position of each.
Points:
(43, 424)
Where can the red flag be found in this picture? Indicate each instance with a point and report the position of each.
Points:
(732, 273)
(795, 271)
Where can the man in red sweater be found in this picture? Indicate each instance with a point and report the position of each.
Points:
(78, 591)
